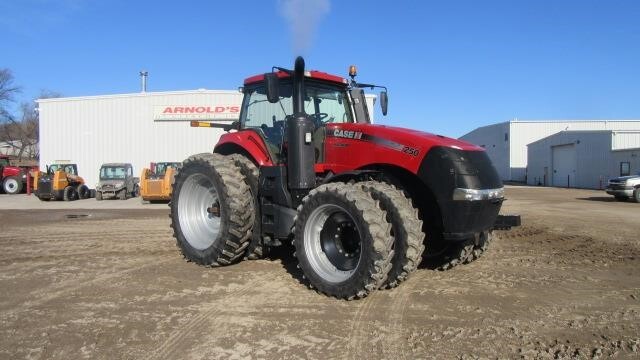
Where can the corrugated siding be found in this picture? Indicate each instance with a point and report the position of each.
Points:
(596, 162)
(526, 132)
(621, 140)
(93, 131)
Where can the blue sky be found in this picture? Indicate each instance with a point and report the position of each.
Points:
(450, 66)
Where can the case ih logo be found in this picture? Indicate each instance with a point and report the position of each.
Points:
(347, 134)
(195, 112)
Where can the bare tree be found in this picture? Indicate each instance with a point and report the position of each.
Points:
(21, 131)
(7, 92)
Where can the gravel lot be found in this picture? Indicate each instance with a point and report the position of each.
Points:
(112, 285)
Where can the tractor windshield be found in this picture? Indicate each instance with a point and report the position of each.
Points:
(324, 104)
(112, 172)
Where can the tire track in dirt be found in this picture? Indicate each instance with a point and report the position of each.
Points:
(172, 344)
(77, 284)
(356, 343)
(395, 317)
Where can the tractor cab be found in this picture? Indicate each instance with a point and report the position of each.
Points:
(328, 99)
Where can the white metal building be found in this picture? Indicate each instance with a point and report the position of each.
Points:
(506, 143)
(583, 159)
(136, 128)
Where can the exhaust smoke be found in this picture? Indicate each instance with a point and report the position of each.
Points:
(303, 17)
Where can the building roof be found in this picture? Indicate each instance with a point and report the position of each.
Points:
(139, 94)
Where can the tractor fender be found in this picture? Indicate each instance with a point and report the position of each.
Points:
(247, 142)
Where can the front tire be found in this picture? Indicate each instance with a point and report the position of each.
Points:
(406, 228)
(343, 241)
(211, 210)
(636, 195)
(12, 185)
(98, 195)
(122, 195)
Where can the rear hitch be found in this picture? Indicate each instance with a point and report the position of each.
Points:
(506, 222)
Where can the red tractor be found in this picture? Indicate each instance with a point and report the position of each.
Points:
(360, 202)
(12, 178)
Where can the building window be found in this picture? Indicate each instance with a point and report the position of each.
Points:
(625, 168)
(506, 136)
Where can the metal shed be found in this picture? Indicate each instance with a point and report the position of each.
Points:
(135, 128)
(506, 142)
(583, 159)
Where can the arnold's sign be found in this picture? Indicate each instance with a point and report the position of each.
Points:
(195, 112)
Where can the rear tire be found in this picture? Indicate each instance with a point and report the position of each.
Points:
(12, 185)
(83, 192)
(211, 210)
(343, 242)
(406, 228)
(69, 194)
(249, 170)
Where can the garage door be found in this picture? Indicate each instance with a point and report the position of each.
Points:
(564, 165)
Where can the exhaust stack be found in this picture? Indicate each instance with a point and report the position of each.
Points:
(301, 152)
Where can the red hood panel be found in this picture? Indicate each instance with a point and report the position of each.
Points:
(410, 137)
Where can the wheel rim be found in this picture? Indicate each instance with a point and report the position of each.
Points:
(332, 243)
(11, 185)
(200, 224)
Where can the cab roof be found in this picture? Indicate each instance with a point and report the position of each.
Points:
(313, 74)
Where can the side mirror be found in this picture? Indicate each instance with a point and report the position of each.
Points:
(384, 102)
(272, 85)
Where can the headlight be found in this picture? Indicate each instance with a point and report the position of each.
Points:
(119, 184)
(475, 195)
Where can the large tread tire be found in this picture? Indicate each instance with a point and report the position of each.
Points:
(98, 195)
(69, 193)
(228, 245)
(83, 192)
(406, 228)
(636, 195)
(122, 195)
(249, 170)
(12, 185)
(464, 252)
(375, 248)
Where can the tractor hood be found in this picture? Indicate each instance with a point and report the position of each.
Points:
(412, 142)
(429, 139)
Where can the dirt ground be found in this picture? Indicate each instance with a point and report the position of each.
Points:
(113, 285)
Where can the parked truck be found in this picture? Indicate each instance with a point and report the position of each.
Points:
(360, 202)
(117, 181)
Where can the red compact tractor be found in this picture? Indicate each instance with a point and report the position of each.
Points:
(13, 179)
(360, 202)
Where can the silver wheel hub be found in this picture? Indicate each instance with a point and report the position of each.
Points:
(199, 211)
(332, 243)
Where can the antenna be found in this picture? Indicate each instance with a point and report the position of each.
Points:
(143, 78)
